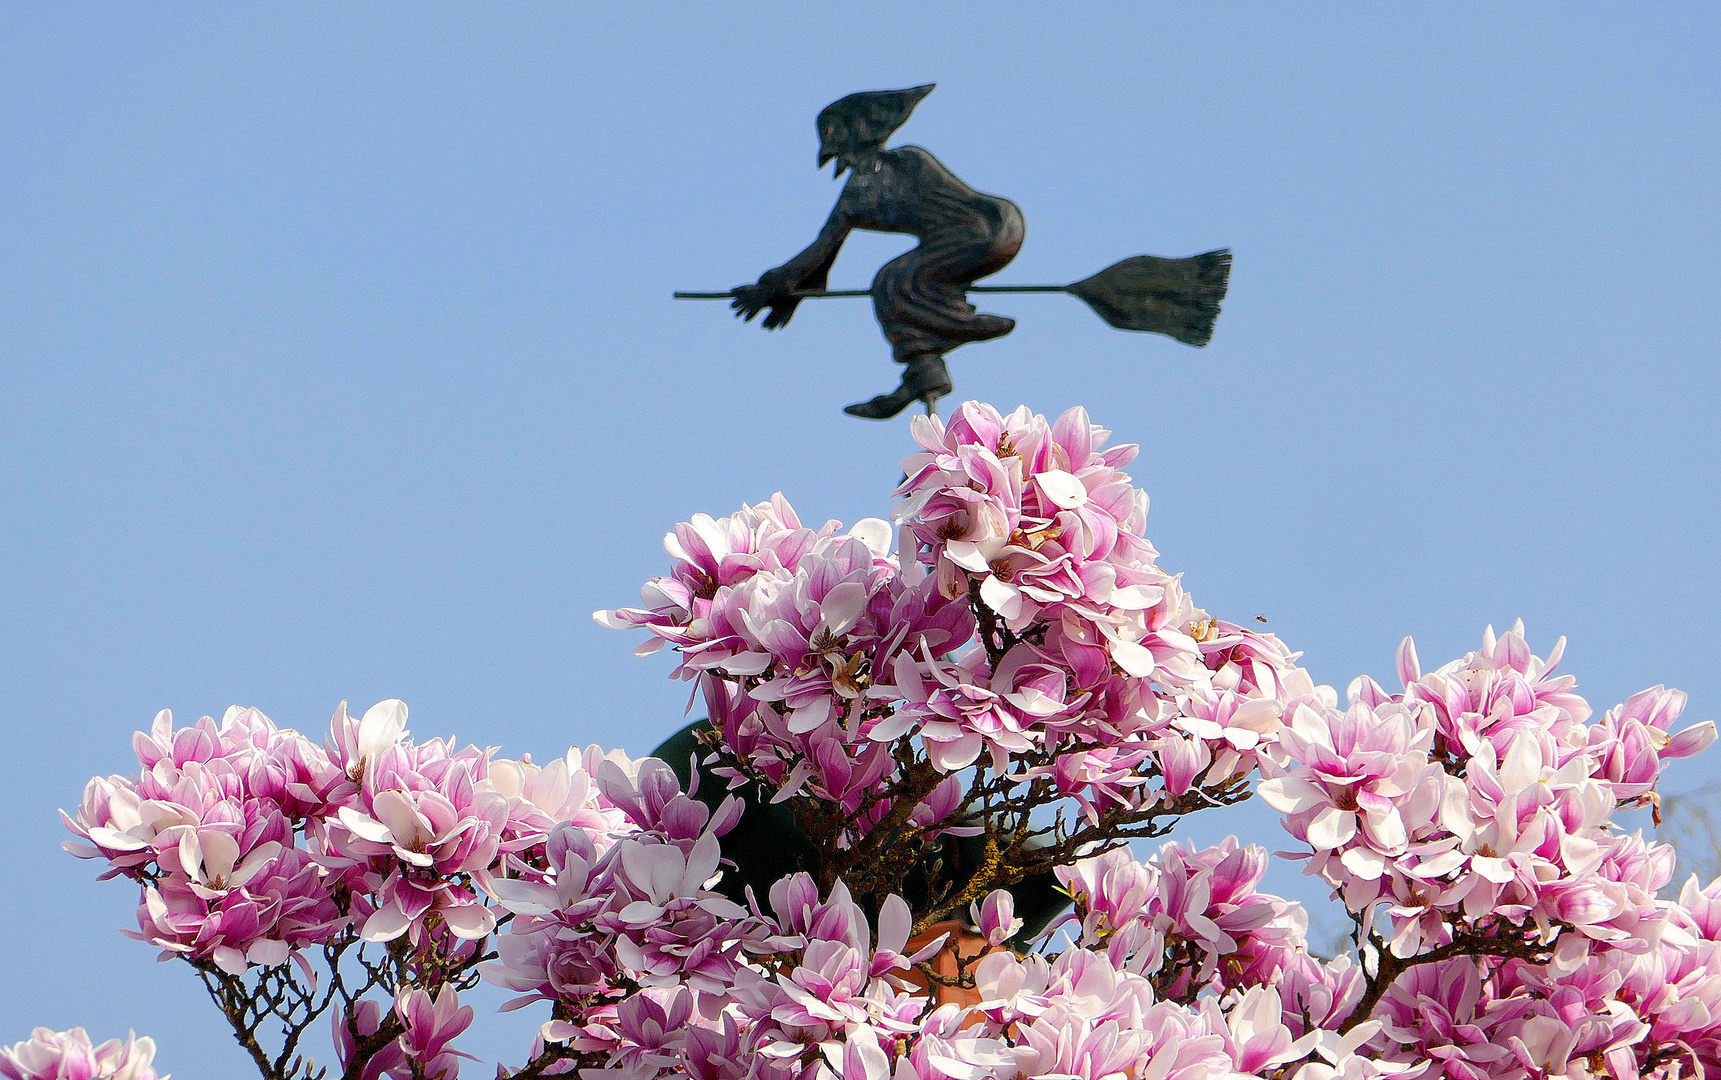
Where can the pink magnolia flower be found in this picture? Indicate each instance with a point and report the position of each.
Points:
(1436, 1010)
(353, 745)
(275, 902)
(1356, 769)
(677, 932)
(539, 797)
(1318, 996)
(1347, 1057)
(366, 1020)
(68, 1055)
(996, 916)
(210, 826)
(432, 1023)
(420, 819)
(1256, 1036)
(244, 775)
(653, 1027)
(1100, 1022)
(961, 710)
(712, 555)
(725, 1051)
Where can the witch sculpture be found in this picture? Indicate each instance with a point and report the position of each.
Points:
(920, 297)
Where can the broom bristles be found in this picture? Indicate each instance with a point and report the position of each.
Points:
(1176, 297)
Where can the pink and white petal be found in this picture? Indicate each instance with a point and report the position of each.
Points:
(381, 726)
(1133, 658)
(385, 924)
(469, 921)
(842, 608)
(1290, 794)
(524, 897)
(415, 858)
(363, 827)
(229, 959)
(1060, 488)
(1499, 871)
(875, 533)
(895, 923)
(967, 555)
(1690, 741)
(810, 716)
(1365, 864)
(255, 862)
(1331, 828)
(398, 811)
(1006, 600)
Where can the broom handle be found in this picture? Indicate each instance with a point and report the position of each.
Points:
(821, 294)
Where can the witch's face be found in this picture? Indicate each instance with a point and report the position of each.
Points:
(838, 140)
(846, 142)
(851, 128)
(829, 147)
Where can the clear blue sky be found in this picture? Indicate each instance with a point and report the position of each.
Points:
(337, 358)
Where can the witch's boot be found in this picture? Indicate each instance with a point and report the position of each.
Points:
(924, 379)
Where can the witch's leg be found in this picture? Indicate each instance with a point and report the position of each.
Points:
(925, 378)
(909, 309)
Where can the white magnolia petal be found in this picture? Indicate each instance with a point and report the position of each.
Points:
(524, 897)
(267, 953)
(381, 726)
(1440, 865)
(1065, 491)
(416, 858)
(254, 863)
(229, 959)
(875, 533)
(1290, 794)
(364, 827)
(1365, 864)
(385, 924)
(895, 922)
(1006, 600)
(1134, 658)
(966, 554)
(810, 716)
(1499, 871)
(396, 810)
(220, 853)
(469, 921)
(1331, 828)
(842, 608)
(1386, 829)
(1523, 764)
(114, 840)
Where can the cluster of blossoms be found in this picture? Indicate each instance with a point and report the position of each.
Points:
(252, 843)
(1480, 786)
(253, 846)
(1470, 815)
(68, 1055)
(1025, 629)
(1017, 675)
(1193, 920)
(825, 996)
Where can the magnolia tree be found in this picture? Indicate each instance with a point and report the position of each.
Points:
(1019, 676)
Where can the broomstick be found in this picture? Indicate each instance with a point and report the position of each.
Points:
(1176, 297)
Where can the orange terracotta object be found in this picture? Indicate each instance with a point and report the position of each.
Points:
(945, 962)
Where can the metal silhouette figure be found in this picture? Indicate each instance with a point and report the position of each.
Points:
(920, 297)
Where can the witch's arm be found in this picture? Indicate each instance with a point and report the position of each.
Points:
(808, 270)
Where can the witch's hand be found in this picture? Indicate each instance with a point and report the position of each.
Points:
(770, 292)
